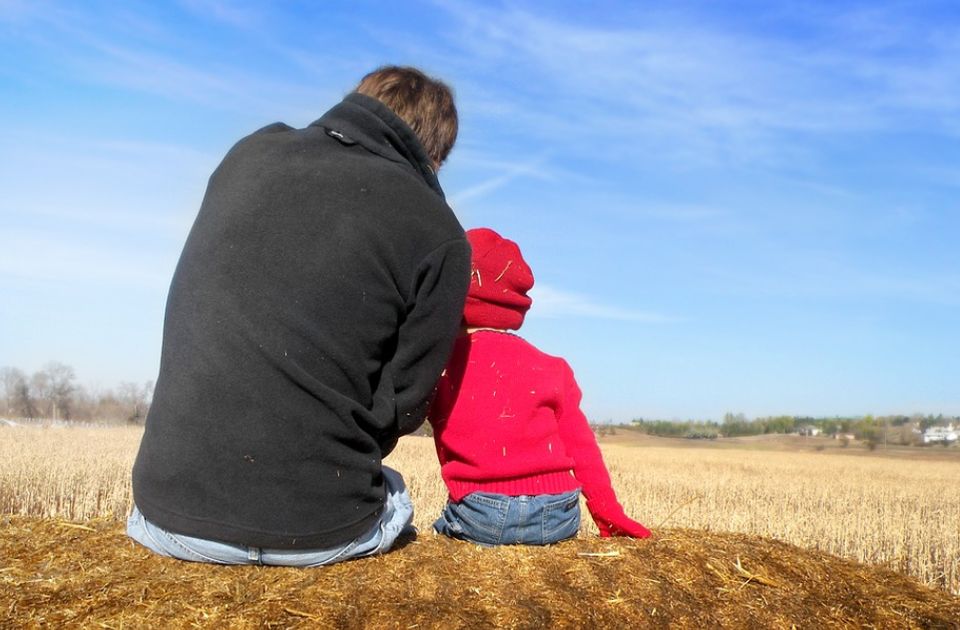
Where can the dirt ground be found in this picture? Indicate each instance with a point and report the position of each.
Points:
(87, 575)
(787, 443)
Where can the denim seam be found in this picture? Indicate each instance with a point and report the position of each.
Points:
(176, 541)
(544, 517)
(488, 501)
(335, 558)
(157, 545)
(502, 513)
(522, 529)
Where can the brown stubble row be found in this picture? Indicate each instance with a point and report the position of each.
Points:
(902, 514)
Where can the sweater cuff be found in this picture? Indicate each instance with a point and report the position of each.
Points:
(602, 499)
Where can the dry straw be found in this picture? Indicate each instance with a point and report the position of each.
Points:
(56, 575)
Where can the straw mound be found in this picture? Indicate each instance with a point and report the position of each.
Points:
(59, 574)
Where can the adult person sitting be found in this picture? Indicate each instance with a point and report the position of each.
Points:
(311, 312)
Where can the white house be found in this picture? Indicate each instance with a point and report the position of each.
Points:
(945, 435)
(809, 430)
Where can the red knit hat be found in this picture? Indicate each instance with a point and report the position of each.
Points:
(499, 281)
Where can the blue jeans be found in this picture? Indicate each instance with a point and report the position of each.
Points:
(497, 519)
(395, 520)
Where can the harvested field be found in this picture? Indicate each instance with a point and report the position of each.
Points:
(710, 506)
(60, 574)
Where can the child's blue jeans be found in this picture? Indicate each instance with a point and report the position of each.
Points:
(395, 520)
(498, 519)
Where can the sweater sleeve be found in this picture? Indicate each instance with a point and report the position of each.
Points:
(589, 468)
(434, 313)
(578, 439)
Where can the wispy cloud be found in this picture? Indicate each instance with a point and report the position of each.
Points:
(551, 302)
(824, 277)
(231, 13)
(933, 288)
(32, 258)
(941, 175)
(681, 213)
(130, 51)
(211, 84)
(506, 172)
(700, 93)
(127, 188)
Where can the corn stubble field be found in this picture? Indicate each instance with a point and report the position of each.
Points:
(901, 514)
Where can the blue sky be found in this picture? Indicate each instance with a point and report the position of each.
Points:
(728, 206)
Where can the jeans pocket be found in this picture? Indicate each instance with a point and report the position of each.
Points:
(481, 517)
(561, 518)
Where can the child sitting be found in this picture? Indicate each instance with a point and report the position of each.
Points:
(507, 422)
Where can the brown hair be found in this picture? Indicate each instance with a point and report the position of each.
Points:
(424, 103)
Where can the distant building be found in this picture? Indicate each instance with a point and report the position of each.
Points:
(809, 430)
(940, 435)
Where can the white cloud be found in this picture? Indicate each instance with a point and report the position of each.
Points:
(550, 302)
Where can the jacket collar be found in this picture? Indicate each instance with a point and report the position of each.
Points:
(368, 122)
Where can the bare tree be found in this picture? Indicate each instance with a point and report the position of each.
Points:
(40, 393)
(23, 400)
(136, 399)
(52, 392)
(61, 388)
(10, 378)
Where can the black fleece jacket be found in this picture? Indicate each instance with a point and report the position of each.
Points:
(313, 307)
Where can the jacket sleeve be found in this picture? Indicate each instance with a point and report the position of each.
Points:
(424, 341)
(589, 468)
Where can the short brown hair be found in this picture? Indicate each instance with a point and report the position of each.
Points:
(424, 103)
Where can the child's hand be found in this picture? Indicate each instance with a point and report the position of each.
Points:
(626, 527)
(611, 520)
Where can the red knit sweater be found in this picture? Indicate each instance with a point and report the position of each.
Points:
(507, 419)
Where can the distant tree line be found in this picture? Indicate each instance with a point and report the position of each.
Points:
(868, 427)
(52, 393)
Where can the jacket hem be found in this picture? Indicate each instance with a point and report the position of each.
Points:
(199, 528)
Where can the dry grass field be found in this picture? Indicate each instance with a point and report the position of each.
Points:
(901, 513)
(897, 512)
